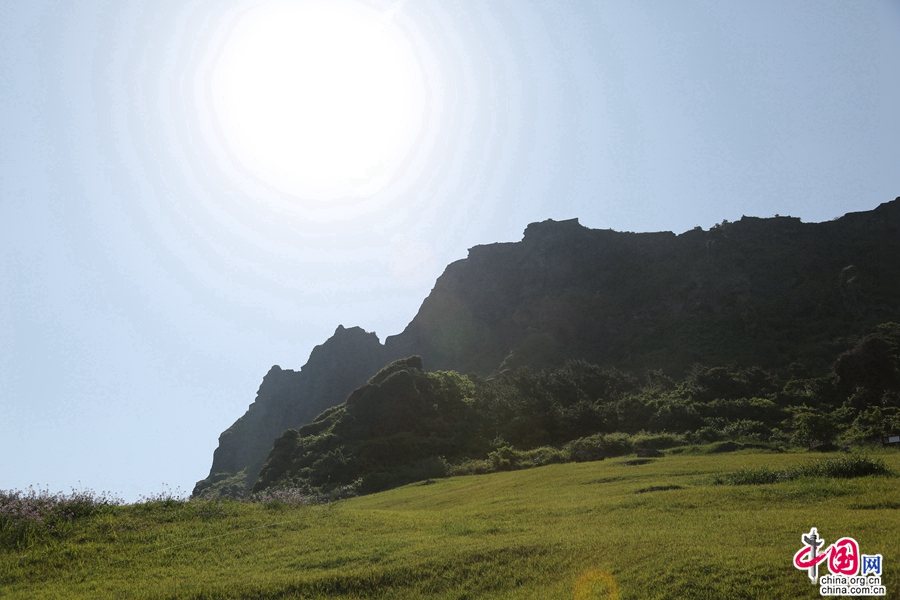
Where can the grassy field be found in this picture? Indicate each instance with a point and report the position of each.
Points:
(605, 529)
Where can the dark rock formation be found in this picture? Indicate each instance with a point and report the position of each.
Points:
(771, 292)
(289, 399)
(758, 291)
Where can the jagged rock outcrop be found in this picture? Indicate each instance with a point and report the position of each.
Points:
(289, 399)
(768, 292)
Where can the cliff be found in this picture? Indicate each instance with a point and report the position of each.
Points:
(289, 399)
(757, 291)
(770, 292)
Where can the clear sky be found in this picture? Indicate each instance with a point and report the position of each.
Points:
(193, 191)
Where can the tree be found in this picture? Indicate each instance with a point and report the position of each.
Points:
(813, 427)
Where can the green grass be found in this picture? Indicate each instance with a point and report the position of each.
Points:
(659, 529)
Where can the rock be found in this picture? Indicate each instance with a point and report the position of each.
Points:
(289, 399)
(759, 291)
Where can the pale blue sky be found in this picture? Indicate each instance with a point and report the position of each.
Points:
(149, 279)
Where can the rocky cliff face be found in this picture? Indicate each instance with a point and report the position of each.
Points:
(767, 292)
(289, 399)
(757, 291)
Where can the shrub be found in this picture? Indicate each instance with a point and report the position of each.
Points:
(873, 424)
(277, 498)
(599, 446)
(746, 429)
(504, 459)
(844, 468)
(543, 456)
(507, 458)
(813, 427)
(657, 441)
(472, 466)
(705, 435)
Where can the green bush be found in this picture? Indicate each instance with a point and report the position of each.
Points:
(545, 455)
(599, 446)
(472, 466)
(504, 459)
(873, 424)
(657, 441)
(846, 467)
(813, 427)
(704, 435)
(507, 458)
(747, 429)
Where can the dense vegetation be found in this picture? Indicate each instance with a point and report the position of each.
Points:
(407, 425)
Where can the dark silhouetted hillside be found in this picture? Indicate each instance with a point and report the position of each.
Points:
(289, 399)
(769, 292)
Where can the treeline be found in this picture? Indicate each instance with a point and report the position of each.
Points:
(406, 424)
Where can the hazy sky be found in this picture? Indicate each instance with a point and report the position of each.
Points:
(193, 191)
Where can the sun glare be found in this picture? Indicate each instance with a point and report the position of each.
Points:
(319, 99)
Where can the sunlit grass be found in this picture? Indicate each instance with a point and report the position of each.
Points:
(660, 529)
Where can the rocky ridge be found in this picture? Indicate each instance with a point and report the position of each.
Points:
(761, 291)
(289, 399)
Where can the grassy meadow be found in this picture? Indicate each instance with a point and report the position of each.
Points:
(618, 528)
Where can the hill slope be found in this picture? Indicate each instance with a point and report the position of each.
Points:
(654, 530)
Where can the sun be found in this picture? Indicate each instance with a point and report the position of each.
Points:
(319, 99)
